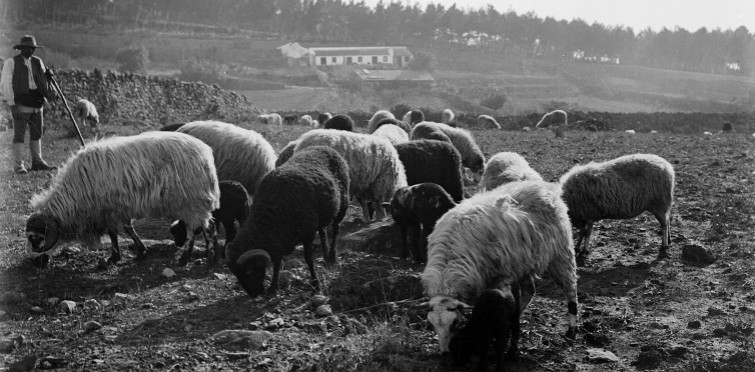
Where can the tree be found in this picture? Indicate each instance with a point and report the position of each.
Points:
(423, 61)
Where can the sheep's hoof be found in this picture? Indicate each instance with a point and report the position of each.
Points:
(663, 253)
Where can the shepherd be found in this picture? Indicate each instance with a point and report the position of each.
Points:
(25, 87)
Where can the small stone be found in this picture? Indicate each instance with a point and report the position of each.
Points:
(122, 299)
(323, 310)
(67, 306)
(601, 356)
(695, 324)
(712, 311)
(37, 310)
(92, 326)
(318, 300)
(192, 296)
(275, 324)
(92, 304)
(168, 273)
(697, 254)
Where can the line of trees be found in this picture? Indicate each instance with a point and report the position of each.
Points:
(715, 51)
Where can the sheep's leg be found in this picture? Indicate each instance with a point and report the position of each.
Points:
(664, 219)
(189, 251)
(115, 251)
(380, 212)
(365, 209)
(323, 243)
(332, 255)
(140, 248)
(217, 250)
(416, 247)
(274, 281)
(500, 351)
(309, 258)
(564, 273)
(404, 244)
(585, 251)
(513, 353)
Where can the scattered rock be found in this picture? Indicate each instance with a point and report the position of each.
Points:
(92, 326)
(601, 356)
(67, 306)
(148, 305)
(92, 304)
(37, 310)
(695, 324)
(168, 273)
(50, 362)
(122, 299)
(697, 254)
(235, 339)
(323, 310)
(318, 300)
(275, 324)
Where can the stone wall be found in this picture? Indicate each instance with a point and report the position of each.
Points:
(127, 98)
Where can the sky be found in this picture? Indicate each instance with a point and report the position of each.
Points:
(637, 14)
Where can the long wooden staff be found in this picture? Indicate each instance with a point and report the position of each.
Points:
(70, 114)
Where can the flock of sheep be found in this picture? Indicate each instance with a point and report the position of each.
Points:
(481, 252)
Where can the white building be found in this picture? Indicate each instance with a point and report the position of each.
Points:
(398, 56)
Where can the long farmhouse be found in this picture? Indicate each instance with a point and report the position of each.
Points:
(398, 56)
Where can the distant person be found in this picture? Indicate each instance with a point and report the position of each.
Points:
(25, 87)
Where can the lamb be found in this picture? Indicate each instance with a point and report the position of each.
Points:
(374, 166)
(234, 201)
(414, 117)
(621, 188)
(471, 155)
(555, 118)
(273, 119)
(505, 167)
(447, 116)
(433, 161)
(487, 121)
(418, 207)
(495, 316)
(241, 155)
(113, 181)
(403, 125)
(492, 239)
(286, 153)
(376, 118)
(392, 133)
(294, 202)
(85, 111)
(340, 122)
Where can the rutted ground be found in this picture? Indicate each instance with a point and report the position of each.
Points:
(642, 310)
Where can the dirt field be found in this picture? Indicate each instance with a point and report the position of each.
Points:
(648, 314)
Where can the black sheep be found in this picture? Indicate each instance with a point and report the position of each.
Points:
(418, 207)
(292, 203)
(340, 122)
(433, 161)
(233, 207)
(290, 119)
(495, 317)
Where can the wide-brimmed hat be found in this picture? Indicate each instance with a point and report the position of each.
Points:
(27, 41)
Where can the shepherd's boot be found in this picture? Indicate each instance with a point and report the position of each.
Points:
(18, 158)
(37, 164)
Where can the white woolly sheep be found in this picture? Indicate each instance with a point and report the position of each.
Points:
(85, 111)
(241, 155)
(495, 317)
(374, 166)
(393, 133)
(629, 131)
(487, 121)
(621, 188)
(471, 155)
(376, 118)
(305, 120)
(505, 167)
(315, 124)
(493, 239)
(294, 202)
(273, 119)
(113, 181)
(447, 116)
(418, 207)
(553, 118)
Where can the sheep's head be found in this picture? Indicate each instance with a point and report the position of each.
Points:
(445, 315)
(250, 269)
(42, 232)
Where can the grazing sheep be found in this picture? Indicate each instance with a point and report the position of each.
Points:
(273, 119)
(403, 125)
(113, 181)
(286, 153)
(241, 155)
(376, 118)
(323, 118)
(392, 133)
(340, 122)
(471, 155)
(505, 167)
(433, 161)
(426, 130)
(727, 128)
(447, 116)
(493, 239)
(495, 317)
(305, 120)
(233, 205)
(621, 188)
(526, 129)
(413, 117)
(418, 207)
(294, 202)
(629, 131)
(653, 132)
(374, 166)
(487, 121)
(555, 118)
(290, 119)
(85, 111)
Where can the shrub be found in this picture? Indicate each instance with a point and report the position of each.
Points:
(494, 102)
(133, 58)
(423, 61)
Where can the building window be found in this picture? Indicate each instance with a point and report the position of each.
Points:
(323, 61)
(334, 59)
(359, 59)
(385, 59)
(349, 60)
(374, 59)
